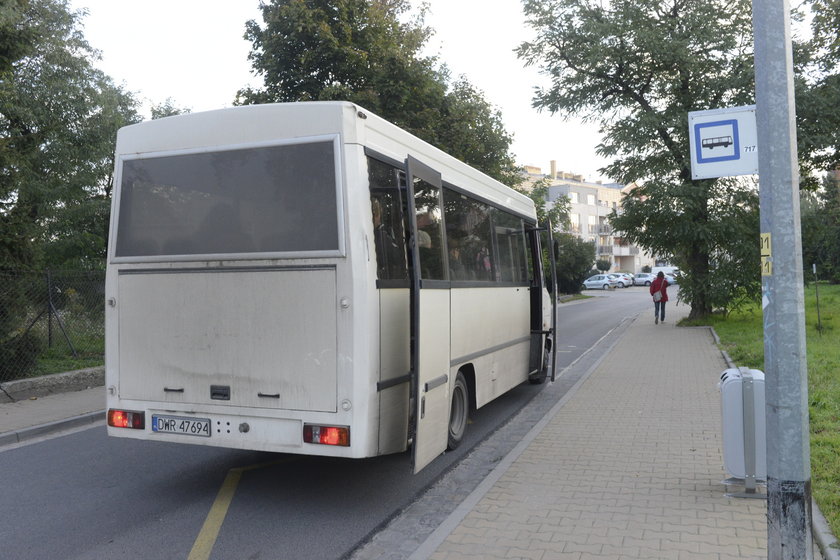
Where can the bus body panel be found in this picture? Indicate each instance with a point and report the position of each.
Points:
(491, 330)
(393, 365)
(432, 405)
(230, 329)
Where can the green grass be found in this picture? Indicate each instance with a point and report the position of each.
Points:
(573, 297)
(741, 335)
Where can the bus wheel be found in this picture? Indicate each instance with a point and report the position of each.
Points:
(458, 412)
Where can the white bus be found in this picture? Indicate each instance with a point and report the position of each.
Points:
(309, 278)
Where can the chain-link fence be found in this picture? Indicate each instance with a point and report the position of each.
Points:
(50, 322)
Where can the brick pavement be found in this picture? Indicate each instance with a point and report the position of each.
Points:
(631, 467)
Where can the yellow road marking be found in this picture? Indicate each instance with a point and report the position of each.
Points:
(203, 545)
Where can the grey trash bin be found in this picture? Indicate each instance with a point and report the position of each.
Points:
(744, 426)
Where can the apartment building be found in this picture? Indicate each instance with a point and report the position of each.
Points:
(591, 204)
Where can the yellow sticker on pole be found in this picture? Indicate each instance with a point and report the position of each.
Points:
(766, 255)
(766, 245)
(766, 266)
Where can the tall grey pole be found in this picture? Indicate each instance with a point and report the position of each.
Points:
(783, 301)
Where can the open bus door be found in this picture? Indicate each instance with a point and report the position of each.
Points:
(429, 322)
(541, 339)
(552, 252)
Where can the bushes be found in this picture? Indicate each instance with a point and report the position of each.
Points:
(18, 355)
(50, 322)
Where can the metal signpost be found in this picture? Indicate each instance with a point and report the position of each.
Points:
(783, 301)
(724, 143)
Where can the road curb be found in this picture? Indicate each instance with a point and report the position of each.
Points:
(26, 434)
(826, 541)
(22, 389)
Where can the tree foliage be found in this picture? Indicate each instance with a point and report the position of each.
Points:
(637, 67)
(58, 121)
(368, 52)
(574, 261)
(16, 38)
(557, 214)
(167, 108)
(817, 92)
(821, 230)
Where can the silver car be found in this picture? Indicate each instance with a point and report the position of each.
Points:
(601, 281)
(644, 279)
(625, 279)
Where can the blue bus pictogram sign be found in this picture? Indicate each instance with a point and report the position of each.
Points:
(717, 141)
(723, 142)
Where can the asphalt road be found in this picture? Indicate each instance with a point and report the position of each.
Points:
(86, 496)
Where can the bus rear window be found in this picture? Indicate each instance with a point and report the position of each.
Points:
(276, 199)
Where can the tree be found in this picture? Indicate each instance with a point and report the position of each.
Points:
(817, 91)
(16, 39)
(362, 51)
(167, 108)
(821, 230)
(557, 214)
(603, 265)
(638, 67)
(58, 121)
(574, 261)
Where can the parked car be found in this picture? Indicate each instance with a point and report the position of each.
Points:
(644, 278)
(625, 279)
(602, 281)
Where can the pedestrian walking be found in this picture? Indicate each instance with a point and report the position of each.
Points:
(659, 291)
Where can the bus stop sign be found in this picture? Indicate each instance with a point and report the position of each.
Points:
(723, 142)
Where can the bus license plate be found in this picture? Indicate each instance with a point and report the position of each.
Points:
(181, 425)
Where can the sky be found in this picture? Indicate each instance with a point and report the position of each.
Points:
(193, 52)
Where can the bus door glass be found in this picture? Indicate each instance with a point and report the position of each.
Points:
(429, 314)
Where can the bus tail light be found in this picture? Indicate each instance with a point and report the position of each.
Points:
(126, 419)
(326, 435)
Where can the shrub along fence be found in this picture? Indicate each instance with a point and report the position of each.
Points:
(50, 322)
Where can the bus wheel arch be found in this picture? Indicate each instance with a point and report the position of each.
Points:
(461, 403)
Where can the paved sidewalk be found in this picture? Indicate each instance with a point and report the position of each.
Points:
(31, 418)
(630, 467)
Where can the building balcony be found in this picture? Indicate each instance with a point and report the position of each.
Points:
(618, 250)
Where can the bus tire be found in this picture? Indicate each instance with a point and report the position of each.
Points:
(459, 412)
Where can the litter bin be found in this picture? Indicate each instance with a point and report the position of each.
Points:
(744, 426)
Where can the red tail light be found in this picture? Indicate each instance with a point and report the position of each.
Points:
(326, 435)
(127, 419)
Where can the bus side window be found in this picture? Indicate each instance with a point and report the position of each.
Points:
(429, 238)
(388, 235)
(510, 237)
(468, 232)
